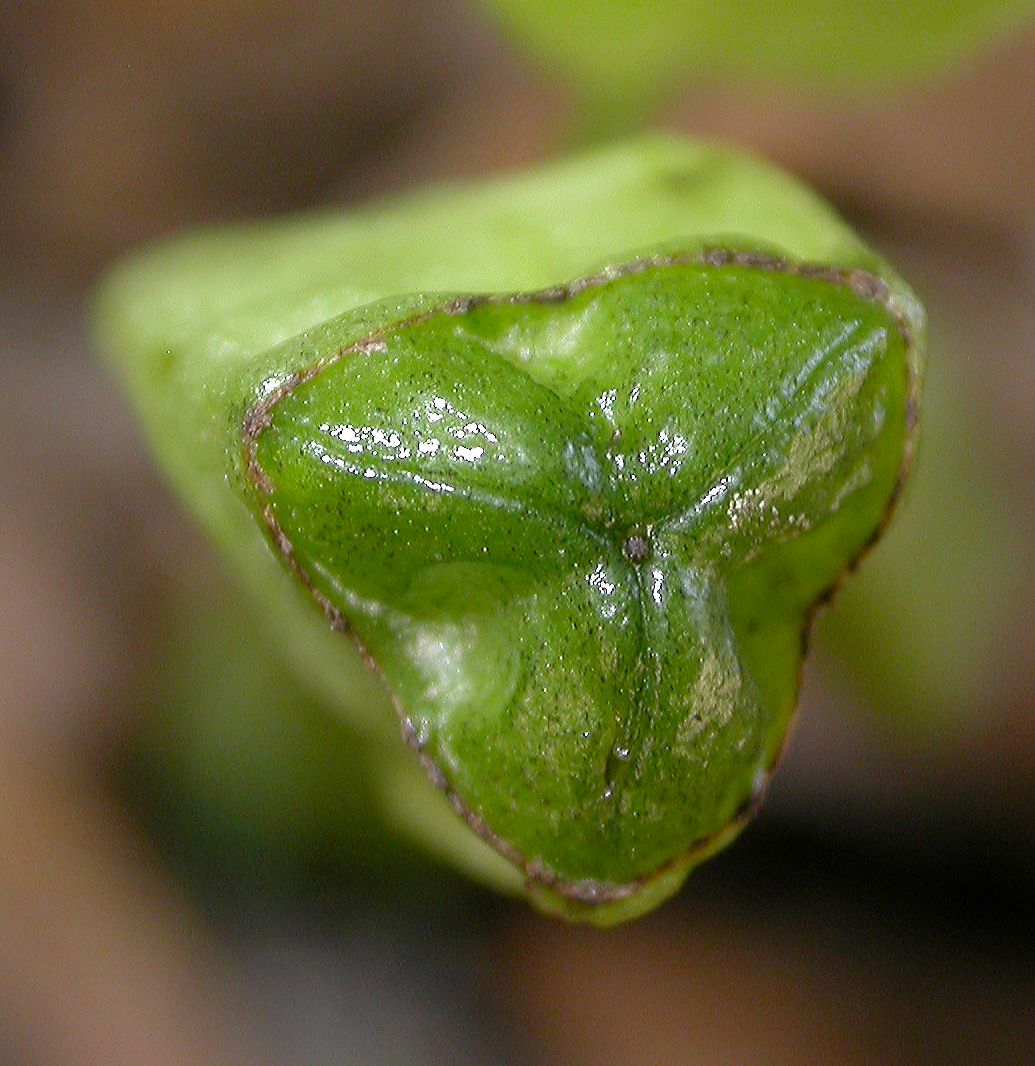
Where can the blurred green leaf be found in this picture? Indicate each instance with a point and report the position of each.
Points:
(620, 55)
(918, 632)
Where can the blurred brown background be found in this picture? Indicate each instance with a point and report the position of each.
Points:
(882, 910)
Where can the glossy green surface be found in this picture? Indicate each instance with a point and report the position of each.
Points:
(581, 538)
(580, 531)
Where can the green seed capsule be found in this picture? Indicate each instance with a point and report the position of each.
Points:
(579, 529)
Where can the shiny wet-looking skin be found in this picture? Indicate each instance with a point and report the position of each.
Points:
(581, 533)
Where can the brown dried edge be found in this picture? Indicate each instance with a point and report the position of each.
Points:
(586, 892)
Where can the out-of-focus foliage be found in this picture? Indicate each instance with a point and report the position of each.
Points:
(238, 765)
(620, 54)
(918, 628)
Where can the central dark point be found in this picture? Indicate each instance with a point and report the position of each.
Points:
(636, 548)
